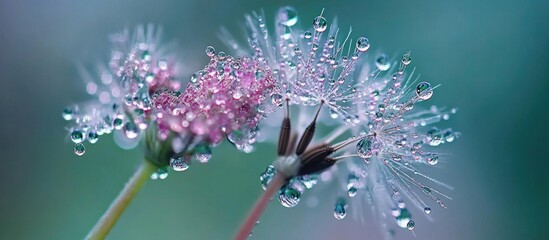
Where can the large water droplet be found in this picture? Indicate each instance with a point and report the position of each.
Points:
(424, 90)
(382, 63)
(364, 148)
(79, 149)
(203, 153)
(277, 100)
(118, 123)
(352, 191)
(449, 136)
(93, 137)
(210, 51)
(266, 176)
(289, 196)
(427, 210)
(339, 210)
(178, 163)
(77, 136)
(68, 114)
(403, 218)
(287, 16)
(131, 130)
(362, 44)
(320, 24)
(432, 158)
(411, 225)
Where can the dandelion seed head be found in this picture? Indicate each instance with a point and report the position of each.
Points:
(383, 137)
(122, 90)
(227, 97)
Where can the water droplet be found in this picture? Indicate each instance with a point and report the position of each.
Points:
(362, 44)
(287, 16)
(68, 114)
(427, 210)
(118, 123)
(352, 191)
(333, 114)
(424, 90)
(308, 180)
(339, 210)
(449, 136)
(320, 24)
(287, 33)
(210, 51)
(307, 35)
(434, 137)
(411, 225)
(237, 94)
(364, 148)
(79, 149)
(130, 130)
(289, 196)
(178, 163)
(406, 58)
(161, 173)
(382, 63)
(266, 176)
(93, 137)
(77, 136)
(403, 218)
(432, 158)
(203, 153)
(277, 99)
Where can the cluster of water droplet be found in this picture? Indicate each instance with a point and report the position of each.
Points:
(312, 65)
(380, 104)
(226, 98)
(136, 69)
(289, 195)
(392, 138)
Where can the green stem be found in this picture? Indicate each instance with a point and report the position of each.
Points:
(109, 218)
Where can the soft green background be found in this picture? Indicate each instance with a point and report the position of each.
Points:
(491, 58)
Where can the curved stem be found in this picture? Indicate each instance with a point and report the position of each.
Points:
(109, 218)
(248, 225)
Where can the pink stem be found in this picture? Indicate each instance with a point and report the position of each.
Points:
(247, 227)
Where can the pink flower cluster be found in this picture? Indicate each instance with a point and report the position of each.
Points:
(226, 96)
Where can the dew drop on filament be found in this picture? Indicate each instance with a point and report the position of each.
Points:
(289, 196)
(131, 130)
(265, 177)
(364, 148)
(277, 99)
(320, 24)
(424, 91)
(210, 51)
(411, 225)
(203, 153)
(178, 163)
(382, 63)
(403, 218)
(362, 44)
(93, 137)
(340, 209)
(287, 16)
(79, 149)
(77, 136)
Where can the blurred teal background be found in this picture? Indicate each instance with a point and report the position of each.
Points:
(491, 58)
